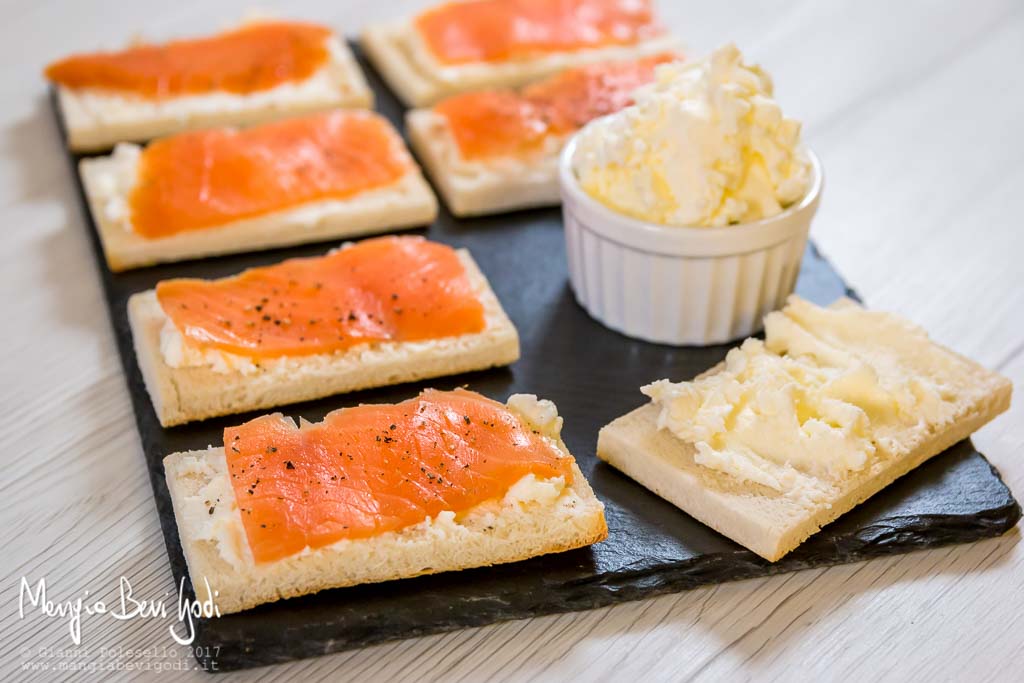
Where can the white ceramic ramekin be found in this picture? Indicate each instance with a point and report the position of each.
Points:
(678, 285)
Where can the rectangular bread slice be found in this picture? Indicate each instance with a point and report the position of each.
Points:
(517, 532)
(109, 180)
(473, 188)
(95, 121)
(517, 178)
(399, 55)
(190, 393)
(760, 518)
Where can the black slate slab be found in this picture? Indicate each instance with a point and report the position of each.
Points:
(592, 374)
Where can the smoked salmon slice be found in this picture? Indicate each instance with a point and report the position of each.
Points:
(375, 468)
(508, 123)
(249, 59)
(502, 30)
(383, 289)
(204, 179)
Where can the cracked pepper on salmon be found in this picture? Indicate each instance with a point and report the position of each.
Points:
(204, 179)
(371, 469)
(253, 58)
(504, 30)
(397, 289)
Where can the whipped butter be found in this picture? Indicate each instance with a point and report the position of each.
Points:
(829, 392)
(178, 353)
(704, 145)
(113, 183)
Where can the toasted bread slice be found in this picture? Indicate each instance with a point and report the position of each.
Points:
(97, 120)
(409, 202)
(191, 393)
(512, 532)
(480, 170)
(767, 521)
(473, 188)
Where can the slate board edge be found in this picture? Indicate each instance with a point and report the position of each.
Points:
(628, 587)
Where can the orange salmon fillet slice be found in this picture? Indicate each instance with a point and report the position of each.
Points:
(376, 468)
(504, 30)
(200, 180)
(382, 289)
(249, 59)
(492, 123)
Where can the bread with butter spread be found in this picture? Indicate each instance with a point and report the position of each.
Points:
(400, 56)
(188, 393)
(109, 182)
(499, 531)
(479, 187)
(95, 119)
(858, 400)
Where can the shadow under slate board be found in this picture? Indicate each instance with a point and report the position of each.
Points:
(593, 375)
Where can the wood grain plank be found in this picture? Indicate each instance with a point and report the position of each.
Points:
(913, 107)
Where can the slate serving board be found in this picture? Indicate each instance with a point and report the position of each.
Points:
(592, 374)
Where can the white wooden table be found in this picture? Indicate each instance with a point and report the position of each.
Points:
(916, 109)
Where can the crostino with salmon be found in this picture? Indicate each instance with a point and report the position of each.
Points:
(496, 150)
(258, 72)
(456, 47)
(443, 481)
(323, 176)
(379, 312)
